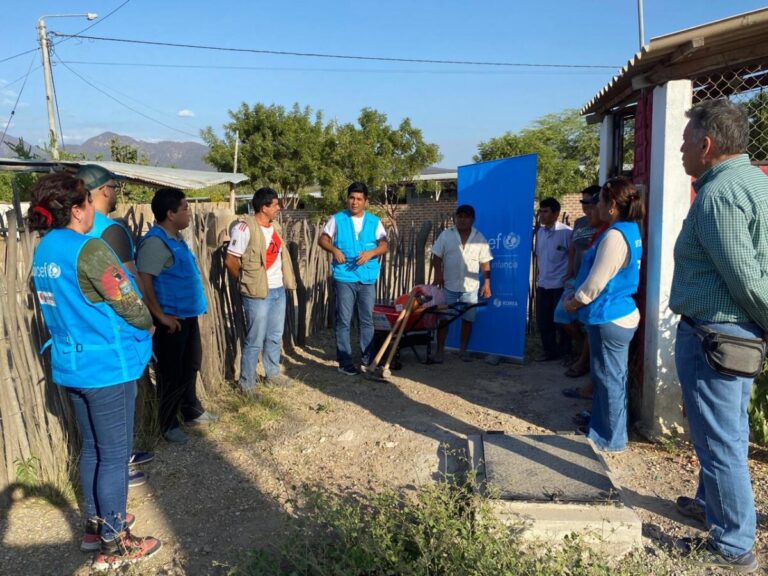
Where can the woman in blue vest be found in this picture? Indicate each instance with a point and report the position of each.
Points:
(609, 276)
(100, 341)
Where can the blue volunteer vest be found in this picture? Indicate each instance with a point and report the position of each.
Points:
(91, 346)
(615, 301)
(351, 245)
(179, 289)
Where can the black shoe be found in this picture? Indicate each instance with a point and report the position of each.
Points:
(546, 358)
(348, 370)
(691, 508)
(703, 553)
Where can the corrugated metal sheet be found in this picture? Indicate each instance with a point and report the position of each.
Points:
(736, 41)
(151, 175)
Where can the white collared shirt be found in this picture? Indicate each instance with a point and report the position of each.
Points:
(461, 263)
(552, 254)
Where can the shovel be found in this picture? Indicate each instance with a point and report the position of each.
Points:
(383, 372)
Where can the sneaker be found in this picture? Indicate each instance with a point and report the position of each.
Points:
(176, 436)
(123, 550)
(204, 418)
(136, 478)
(365, 368)
(691, 508)
(279, 381)
(91, 541)
(348, 370)
(703, 553)
(139, 458)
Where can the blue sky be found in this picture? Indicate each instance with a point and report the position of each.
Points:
(456, 106)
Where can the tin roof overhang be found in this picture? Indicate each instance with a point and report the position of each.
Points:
(738, 41)
(151, 175)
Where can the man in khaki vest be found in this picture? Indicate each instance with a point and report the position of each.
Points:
(258, 257)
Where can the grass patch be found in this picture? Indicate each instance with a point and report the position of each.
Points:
(247, 420)
(440, 530)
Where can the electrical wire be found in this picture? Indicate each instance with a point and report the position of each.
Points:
(336, 56)
(323, 70)
(18, 98)
(17, 55)
(123, 104)
(96, 23)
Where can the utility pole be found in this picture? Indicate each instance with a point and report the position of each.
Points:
(641, 25)
(42, 36)
(234, 171)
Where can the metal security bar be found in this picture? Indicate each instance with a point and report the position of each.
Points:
(746, 86)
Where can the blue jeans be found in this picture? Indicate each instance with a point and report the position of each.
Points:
(608, 356)
(264, 325)
(105, 420)
(351, 296)
(716, 407)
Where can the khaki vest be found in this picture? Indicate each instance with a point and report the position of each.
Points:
(253, 274)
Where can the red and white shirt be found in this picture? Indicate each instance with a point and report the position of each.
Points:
(238, 244)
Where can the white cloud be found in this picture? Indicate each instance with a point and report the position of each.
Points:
(185, 113)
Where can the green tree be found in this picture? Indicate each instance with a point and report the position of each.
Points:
(757, 111)
(567, 149)
(278, 148)
(24, 180)
(128, 154)
(384, 157)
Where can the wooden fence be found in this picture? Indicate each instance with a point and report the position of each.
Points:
(37, 431)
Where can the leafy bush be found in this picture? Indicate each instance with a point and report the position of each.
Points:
(440, 530)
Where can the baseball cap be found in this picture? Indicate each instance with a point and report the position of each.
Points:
(466, 209)
(94, 176)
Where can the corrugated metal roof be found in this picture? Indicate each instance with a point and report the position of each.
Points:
(724, 44)
(151, 175)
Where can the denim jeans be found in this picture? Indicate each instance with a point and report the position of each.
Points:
(608, 357)
(264, 324)
(105, 420)
(351, 297)
(716, 407)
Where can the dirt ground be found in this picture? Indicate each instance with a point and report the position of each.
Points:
(229, 491)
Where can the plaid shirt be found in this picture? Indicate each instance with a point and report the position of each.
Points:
(721, 254)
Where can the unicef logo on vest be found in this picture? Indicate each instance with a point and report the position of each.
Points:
(53, 270)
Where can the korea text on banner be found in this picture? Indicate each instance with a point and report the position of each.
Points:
(502, 193)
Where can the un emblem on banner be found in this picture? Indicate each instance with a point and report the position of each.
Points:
(53, 270)
(511, 241)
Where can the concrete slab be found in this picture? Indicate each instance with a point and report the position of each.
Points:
(547, 487)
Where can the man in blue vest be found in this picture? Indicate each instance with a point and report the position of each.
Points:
(356, 239)
(102, 185)
(173, 292)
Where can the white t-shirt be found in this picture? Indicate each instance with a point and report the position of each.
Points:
(241, 236)
(357, 225)
(461, 264)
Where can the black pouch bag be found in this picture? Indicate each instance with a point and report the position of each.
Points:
(732, 355)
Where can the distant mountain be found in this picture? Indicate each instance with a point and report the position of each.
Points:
(167, 153)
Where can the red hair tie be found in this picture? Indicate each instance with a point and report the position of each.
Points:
(45, 213)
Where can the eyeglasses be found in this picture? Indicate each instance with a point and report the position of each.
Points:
(113, 186)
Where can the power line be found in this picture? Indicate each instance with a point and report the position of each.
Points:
(336, 56)
(23, 77)
(17, 55)
(18, 98)
(96, 23)
(108, 95)
(300, 69)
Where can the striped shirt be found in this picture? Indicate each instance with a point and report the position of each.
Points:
(721, 254)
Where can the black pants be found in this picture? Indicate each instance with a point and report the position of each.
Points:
(555, 341)
(178, 361)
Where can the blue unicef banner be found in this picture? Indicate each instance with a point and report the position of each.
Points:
(502, 193)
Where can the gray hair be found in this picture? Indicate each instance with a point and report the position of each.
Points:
(723, 121)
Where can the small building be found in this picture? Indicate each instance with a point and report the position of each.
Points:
(641, 112)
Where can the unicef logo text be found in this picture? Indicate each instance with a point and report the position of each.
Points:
(509, 241)
(49, 270)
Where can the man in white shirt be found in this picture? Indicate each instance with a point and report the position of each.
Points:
(553, 240)
(459, 254)
(258, 257)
